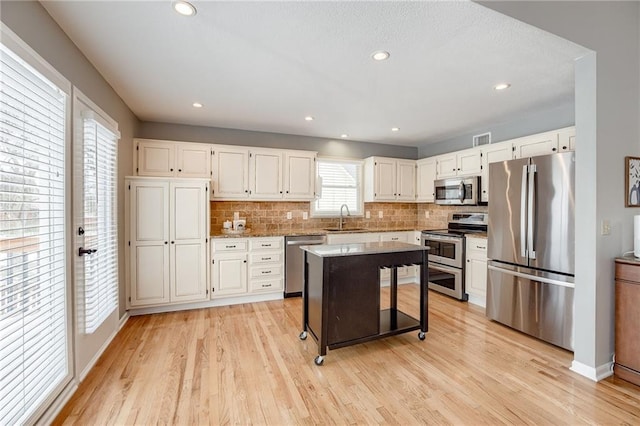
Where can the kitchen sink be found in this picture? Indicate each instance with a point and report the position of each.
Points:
(344, 229)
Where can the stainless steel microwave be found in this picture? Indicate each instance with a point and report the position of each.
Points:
(459, 191)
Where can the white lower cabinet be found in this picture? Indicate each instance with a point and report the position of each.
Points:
(243, 266)
(476, 270)
(167, 228)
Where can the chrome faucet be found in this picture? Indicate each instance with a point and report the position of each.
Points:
(341, 215)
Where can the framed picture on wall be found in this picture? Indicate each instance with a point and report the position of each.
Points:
(632, 181)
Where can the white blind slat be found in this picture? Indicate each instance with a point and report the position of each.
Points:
(341, 183)
(33, 292)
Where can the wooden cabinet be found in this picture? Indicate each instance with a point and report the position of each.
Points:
(389, 179)
(492, 153)
(262, 174)
(539, 144)
(476, 270)
(299, 175)
(243, 266)
(265, 174)
(460, 163)
(172, 159)
(627, 327)
(426, 175)
(167, 229)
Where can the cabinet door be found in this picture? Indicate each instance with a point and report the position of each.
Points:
(229, 275)
(476, 281)
(446, 166)
(385, 179)
(156, 158)
(265, 174)
(425, 178)
(468, 162)
(531, 146)
(567, 139)
(299, 176)
(194, 160)
(188, 241)
(149, 239)
(230, 168)
(406, 180)
(492, 154)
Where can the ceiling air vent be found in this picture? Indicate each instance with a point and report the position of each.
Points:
(483, 139)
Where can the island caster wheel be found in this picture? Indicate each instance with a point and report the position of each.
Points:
(421, 335)
(303, 335)
(319, 360)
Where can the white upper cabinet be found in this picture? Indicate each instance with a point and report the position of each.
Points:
(426, 175)
(492, 153)
(468, 162)
(299, 175)
(172, 159)
(446, 165)
(265, 174)
(230, 172)
(567, 139)
(540, 144)
(406, 180)
(389, 179)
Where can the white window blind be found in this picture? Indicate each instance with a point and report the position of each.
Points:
(340, 183)
(100, 224)
(33, 291)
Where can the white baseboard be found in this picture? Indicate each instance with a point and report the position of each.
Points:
(596, 374)
(477, 300)
(104, 346)
(224, 301)
(58, 404)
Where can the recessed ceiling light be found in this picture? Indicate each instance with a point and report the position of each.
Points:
(308, 118)
(184, 8)
(502, 86)
(380, 55)
(197, 105)
(395, 129)
(344, 135)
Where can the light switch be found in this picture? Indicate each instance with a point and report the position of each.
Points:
(305, 215)
(606, 227)
(367, 214)
(426, 214)
(380, 215)
(289, 215)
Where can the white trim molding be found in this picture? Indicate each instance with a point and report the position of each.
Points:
(596, 374)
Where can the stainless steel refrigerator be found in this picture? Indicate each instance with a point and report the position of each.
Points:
(530, 282)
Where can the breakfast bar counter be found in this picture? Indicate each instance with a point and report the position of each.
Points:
(341, 293)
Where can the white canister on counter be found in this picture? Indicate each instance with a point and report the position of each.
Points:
(226, 224)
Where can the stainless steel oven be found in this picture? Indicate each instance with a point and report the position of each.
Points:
(446, 263)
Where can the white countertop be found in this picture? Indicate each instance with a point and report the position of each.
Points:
(355, 249)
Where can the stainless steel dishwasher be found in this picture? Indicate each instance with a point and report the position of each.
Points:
(294, 262)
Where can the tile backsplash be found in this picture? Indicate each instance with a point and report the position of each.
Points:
(272, 216)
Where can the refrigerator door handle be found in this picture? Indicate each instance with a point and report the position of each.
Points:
(531, 277)
(531, 211)
(523, 212)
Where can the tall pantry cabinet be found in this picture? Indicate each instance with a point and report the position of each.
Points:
(167, 235)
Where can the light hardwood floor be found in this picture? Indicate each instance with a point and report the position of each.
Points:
(244, 364)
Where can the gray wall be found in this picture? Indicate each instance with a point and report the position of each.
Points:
(325, 147)
(31, 22)
(607, 113)
(541, 121)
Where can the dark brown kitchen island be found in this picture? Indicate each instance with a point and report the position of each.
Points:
(341, 293)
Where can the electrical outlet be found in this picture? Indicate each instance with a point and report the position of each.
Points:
(289, 215)
(606, 227)
(367, 214)
(380, 214)
(426, 214)
(305, 215)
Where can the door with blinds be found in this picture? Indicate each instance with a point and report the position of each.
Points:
(95, 228)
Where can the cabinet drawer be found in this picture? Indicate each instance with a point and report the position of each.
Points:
(267, 285)
(265, 244)
(477, 244)
(266, 258)
(229, 245)
(628, 272)
(266, 271)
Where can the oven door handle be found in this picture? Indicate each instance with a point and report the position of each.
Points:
(444, 268)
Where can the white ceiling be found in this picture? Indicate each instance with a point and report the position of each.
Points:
(264, 66)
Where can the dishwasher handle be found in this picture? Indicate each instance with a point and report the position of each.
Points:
(305, 242)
